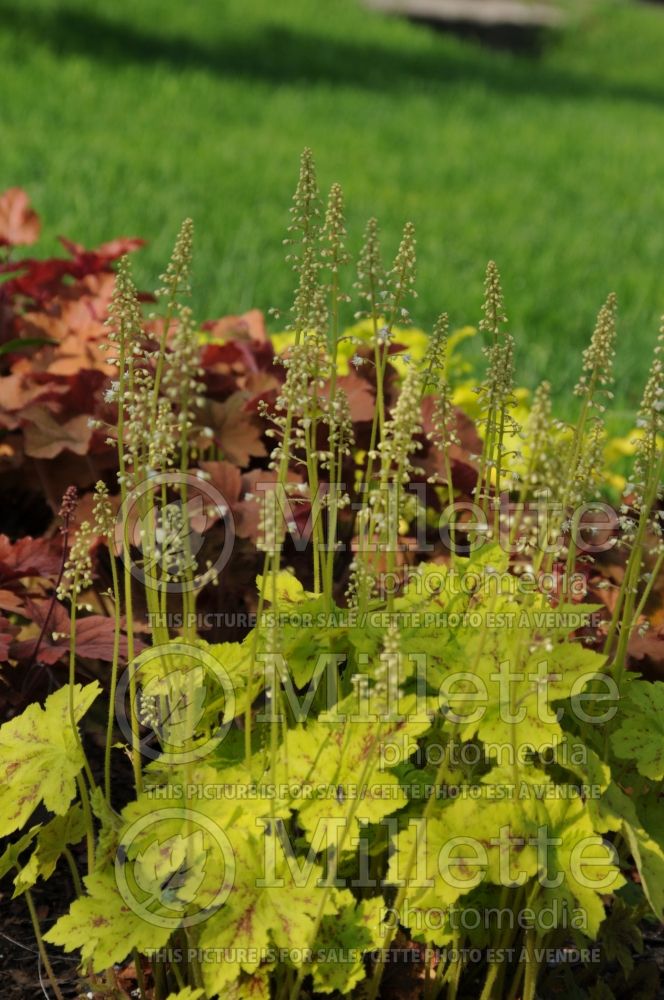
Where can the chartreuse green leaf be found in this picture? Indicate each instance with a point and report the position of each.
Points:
(500, 691)
(640, 736)
(649, 859)
(172, 870)
(594, 781)
(186, 994)
(490, 836)
(288, 588)
(307, 647)
(178, 857)
(10, 858)
(107, 830)
(103, 928)
(651, 815)
(40, 757)
(576, 867)
(27, 876)
(56, 835)
(251, 987)
(645, 844)
(342, 939)
(340, 770)
(478, 838)
(269, 905)
(620, 935)
(51, 841)
(232, 796)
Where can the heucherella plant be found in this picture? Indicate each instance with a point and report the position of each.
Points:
(435, 745)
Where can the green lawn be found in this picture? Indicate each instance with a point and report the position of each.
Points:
(123, 117)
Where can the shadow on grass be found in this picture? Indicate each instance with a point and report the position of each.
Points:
(282, 56)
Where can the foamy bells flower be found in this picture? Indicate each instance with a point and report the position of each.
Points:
(361, 580)
(496, 394)
(124, 311)
(307, 300)
(502, 374)
(547, 471)
(444, 431)
(304, 238)
(588, 474)
(68, 507)
(370, 283)
(333, 235)
(135, 384)
(493, 308)
(400, 280)
(271, 527)
(306, 208)
(151, 437)
(650, 421)
(497, 389)
(340, 421)
(389, 671)
(597, 371)
(111, 394)
(183, 377)
(171, 543)
(102, 511)
(403, 427)
(307, 368)
(434, 376)
(77, 575)
(434, 363)
(149, 710)
(175, 281)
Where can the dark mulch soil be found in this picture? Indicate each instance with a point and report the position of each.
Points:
(22, 976)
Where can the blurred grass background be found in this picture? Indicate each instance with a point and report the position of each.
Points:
(123, 117)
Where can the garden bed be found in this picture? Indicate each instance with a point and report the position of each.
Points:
(238, 758)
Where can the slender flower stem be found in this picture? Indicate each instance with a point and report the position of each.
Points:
(42, 948)
(114, 678)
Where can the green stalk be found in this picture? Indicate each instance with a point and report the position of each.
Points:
(393, 542)
(282, 476)
(329, 559)
(499, 459)
(252, 661)
(490, 990)
(631, 576)
(72, 681)
(531, 967)
(388, 936)
(42, 948)
(578, 439)
(531, 971)
(648, 588)
(381, 358)
(125, 370)
(114, 678)
(76, 878)
(89, 823)
(163, 341)
(367, 771)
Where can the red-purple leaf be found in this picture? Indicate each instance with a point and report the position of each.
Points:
(19, 223)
